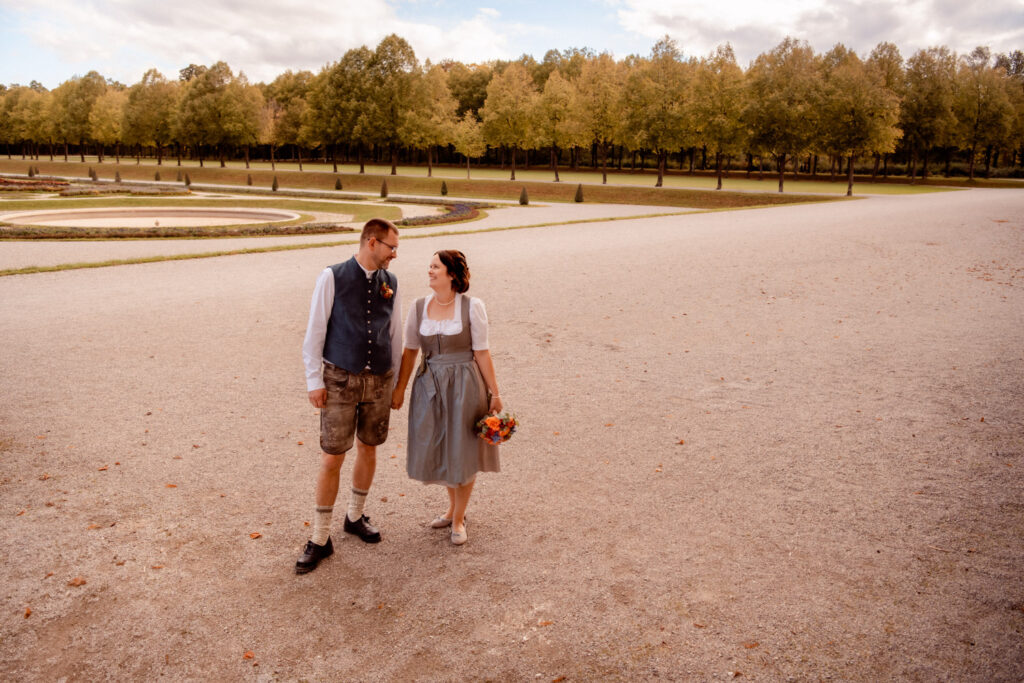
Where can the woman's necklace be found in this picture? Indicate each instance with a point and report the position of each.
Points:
(447, 304)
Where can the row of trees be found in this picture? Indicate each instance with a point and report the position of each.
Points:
(791, 106)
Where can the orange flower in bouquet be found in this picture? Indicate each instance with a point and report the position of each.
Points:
(496, 429)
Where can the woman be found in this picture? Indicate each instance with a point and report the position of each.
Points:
(454, 387)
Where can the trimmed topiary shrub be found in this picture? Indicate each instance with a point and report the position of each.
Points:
(248, 180)
(579, 193)
(179, 176)
(384, 189)
(337, 183)
(274, 185)
(444, 189)
(188, 180)
(524, 198)
(156, 176)
(117, 176)
(92, 174)
(31, 172)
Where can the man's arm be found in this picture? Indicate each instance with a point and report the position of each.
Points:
(316, 332)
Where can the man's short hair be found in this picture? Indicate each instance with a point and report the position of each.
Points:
(378, 228)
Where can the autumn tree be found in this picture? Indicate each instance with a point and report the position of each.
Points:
(106, 121)
(150, 111)
(556, 125)
(468, 138)
(886, 61)
(658, 107)
(982, 106)
(335, 102)
(509, 109)
(598, 106)
(431, 117)
(283, 112)
(73, 102)
(718, 107)
(468, 85)
(393, 75)
(858, 114)
(927, 115)
(780, 111)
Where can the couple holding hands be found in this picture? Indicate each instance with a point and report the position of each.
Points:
(357, 371)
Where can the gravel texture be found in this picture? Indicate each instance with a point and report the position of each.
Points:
(779, 444)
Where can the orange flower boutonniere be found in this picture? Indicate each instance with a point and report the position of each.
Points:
(386, 291)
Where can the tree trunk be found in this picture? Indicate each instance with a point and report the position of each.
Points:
(334, 156)
(359, 153)
(924, 163)
(99, 152)
(603, 146)
(970, 162)
(467, 167)
(849, 177)
(298, 151)
(273, 162)
(220, 155)
(874, 171)
(393, 148)
(718, 168)
(662, 155)
(247, 156)
(430, 167)
(554, 160)
(513, 162)
(782, 170)
(988, 162)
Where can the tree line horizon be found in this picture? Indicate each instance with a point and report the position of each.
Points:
(791, 108)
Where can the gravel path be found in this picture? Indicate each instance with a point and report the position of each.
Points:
(781, 444)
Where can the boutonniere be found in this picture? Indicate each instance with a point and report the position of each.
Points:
(386, 291)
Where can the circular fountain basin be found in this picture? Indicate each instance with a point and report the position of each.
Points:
(146, 217)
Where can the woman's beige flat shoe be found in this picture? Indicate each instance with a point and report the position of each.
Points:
(458, 538)
(441, 522)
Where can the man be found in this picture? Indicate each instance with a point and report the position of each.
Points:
(355, 335)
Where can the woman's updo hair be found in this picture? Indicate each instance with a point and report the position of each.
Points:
(455, 261)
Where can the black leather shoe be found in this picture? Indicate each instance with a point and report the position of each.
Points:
(312, 555)
(362, 529)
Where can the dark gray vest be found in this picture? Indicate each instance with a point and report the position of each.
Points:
(359, 329)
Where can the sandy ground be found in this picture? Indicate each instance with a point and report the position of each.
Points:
(779, 444)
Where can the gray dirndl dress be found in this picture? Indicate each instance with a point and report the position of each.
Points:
(448, 397)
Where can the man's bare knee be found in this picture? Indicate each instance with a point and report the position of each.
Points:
(331, 463)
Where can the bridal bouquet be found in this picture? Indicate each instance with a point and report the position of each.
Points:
(495, 429)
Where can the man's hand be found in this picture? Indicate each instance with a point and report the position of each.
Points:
(318, 397)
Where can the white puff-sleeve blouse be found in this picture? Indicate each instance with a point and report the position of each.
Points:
(428, 327)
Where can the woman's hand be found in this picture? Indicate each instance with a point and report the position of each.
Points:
(496, 404)
(397, 398)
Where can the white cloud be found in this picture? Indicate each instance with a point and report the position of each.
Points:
(756, 26)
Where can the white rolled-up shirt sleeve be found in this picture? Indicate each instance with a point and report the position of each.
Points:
(396, 333)
(316, 329)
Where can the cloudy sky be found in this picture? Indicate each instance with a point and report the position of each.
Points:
(53, 40)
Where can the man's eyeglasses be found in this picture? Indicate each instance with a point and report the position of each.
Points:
(392, 247)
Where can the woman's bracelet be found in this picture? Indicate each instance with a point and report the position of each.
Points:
(495, 395)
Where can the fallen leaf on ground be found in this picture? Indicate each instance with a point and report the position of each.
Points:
(77, 581)
(544, 623)
(681, 442)
(102, 469)
(28, 612)
(48, 575)
(44, 477)
(157, 566)
(696, 625)
(172, 486)
(558, 679)
(751, 645)
(255, 534)
(195, 445)
(609, 424)
(299, 443)
(20, 513)
(93, 526)
(384, 499)
(249, 654)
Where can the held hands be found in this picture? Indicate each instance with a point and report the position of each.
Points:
(318, 397)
